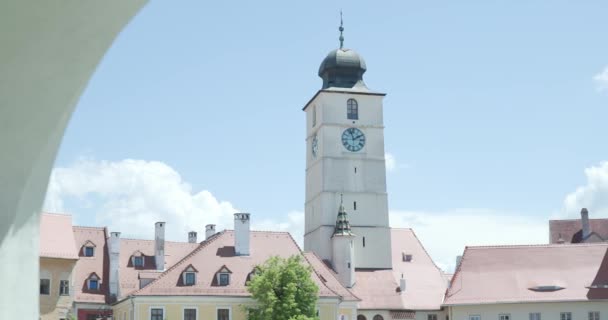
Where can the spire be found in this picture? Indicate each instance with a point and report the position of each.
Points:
(341, 30)
(342, 224)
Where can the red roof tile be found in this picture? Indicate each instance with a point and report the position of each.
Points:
(56, 237)
(506, 274)
(218, 251)
(571, 230)
(425, 282)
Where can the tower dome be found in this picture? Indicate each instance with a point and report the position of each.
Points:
(342, 68)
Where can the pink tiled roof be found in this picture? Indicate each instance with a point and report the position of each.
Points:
(328, 277)
(570, 230)
(218, 251)
(56, 237)
(505, 274)
(425, 282)
(85, 266)
(129, 275)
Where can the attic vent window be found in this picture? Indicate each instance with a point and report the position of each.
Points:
(546, 288)
(406, 257)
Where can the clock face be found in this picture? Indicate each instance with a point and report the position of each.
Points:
(353, 139)
(315, 146)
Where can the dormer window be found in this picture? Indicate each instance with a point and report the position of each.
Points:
(88, 249)
(138, 261)
(223, 276)
(352, 109)
(189, 276)
(93, 282)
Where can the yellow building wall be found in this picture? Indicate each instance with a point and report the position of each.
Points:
(55, 306)
(122, 311)
(207, 308)
(520, 311)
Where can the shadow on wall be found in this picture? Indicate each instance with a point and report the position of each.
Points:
(601, 279)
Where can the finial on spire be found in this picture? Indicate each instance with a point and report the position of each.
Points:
(341, 209)
(341, 29)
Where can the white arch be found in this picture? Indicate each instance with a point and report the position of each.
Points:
(48, 52)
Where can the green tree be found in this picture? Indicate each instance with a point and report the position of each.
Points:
(283, 290)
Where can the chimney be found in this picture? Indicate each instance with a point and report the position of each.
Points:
(159, 246)
(402, 284)
(114, 244)
(458, 260)
(192, 237)
(241, 234)
(585, 223)
(209, 231)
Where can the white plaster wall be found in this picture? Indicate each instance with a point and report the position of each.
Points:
(377, 250)
(521, 311)
(343, 253)
(49, 50)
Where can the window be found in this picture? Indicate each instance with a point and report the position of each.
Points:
(504, 316)
(64, 288)
(45, 286)
(189, 314)
(190, 279)
(406, 257)
(352, 109)
(157, 314)
(535, 316)
(89, 251)
(224, 279)
(475, 317)
(363, 242)
(138, 261)
(378, 317)
(354, 205)
(565, 316)
(361, 317)
(93, 284)
(223, 314)
(314, 116)
(594, 315)
(431, 316)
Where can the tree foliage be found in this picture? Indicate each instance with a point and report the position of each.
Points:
(283, 290)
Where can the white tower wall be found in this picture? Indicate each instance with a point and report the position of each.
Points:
(114, 245)
(241, 234)
(343, 260)
(159, 245)
(360, 176)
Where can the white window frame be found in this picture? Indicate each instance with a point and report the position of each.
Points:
(219, 277)
(84, 250)
(535, 313)
(565, 315)
(156, 307)
(68, 288)
(185, 276)
(591, 315)
(190, 307)
(50, 286)
(474, 317)
(504, 316)
(224, 307)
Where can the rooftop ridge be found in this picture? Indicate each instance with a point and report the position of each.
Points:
(202, 245)
(57, 214)
(181, 242)
(575, 219)
(89, 227)
(551, 245)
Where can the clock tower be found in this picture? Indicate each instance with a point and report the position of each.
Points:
(345, 165)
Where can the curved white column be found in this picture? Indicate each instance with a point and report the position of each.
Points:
(48, 52)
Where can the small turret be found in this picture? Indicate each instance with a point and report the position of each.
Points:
(343, 255)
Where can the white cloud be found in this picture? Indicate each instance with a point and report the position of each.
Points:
(601, 80)
(445, 234)
(130, 195)
(390, 161)
(593, 195)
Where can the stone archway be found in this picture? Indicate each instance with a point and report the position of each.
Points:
(50, 49)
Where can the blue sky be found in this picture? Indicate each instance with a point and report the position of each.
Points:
(495, 111)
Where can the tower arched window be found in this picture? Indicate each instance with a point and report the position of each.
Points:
(378, 317)
(361, 317)
(352, 109)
